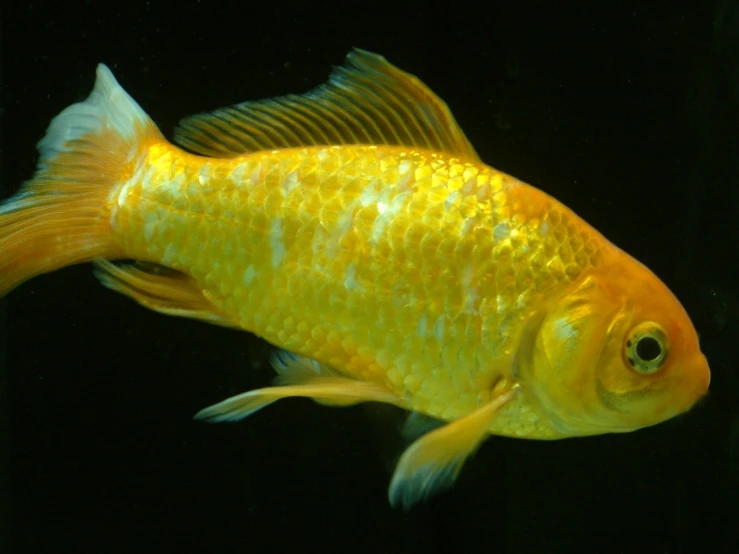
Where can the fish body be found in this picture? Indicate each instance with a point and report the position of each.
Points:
(356, 229)
(408, 268)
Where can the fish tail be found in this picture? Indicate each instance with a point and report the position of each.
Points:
(62, 216)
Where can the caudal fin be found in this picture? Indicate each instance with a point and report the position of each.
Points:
(63, 215)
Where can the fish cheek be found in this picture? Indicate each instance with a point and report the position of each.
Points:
(628, 394)
(569, 348)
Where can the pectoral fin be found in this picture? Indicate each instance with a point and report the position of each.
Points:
(432, 463)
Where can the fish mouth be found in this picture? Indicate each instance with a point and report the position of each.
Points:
(692, 385)
(704, 381)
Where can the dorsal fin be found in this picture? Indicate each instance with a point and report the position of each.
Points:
(367, 100)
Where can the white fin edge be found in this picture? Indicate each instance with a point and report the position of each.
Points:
(108, 107)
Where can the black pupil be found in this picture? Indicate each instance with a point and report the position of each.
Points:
(648, 349)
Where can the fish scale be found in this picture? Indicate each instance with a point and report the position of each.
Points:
(357, 230)
(393, 265)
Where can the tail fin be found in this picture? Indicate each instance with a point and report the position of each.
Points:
(63, 215)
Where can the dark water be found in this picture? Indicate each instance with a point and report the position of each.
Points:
(629, 115)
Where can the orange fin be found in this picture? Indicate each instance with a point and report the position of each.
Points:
(300, 377)
(365, 101)
(293, 369)
(432, 463)
(62, 216)
(160, 289)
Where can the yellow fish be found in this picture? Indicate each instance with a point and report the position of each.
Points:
(355, 228)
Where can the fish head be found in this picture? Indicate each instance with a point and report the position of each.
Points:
(616, 353)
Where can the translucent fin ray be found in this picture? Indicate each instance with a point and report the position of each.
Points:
(160, 289)
(61, 216)
(340, 391)
(299, 376)
(367, 100)
(417, 424)
(432, 463)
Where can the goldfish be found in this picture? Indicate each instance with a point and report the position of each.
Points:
(356, 229)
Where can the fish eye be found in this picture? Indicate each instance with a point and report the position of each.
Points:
(646, 348)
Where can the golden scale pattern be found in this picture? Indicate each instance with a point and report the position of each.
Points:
(390, 264)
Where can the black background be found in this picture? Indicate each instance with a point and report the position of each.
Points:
(628, 112)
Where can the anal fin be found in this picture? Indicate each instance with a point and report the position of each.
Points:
(159, 289)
